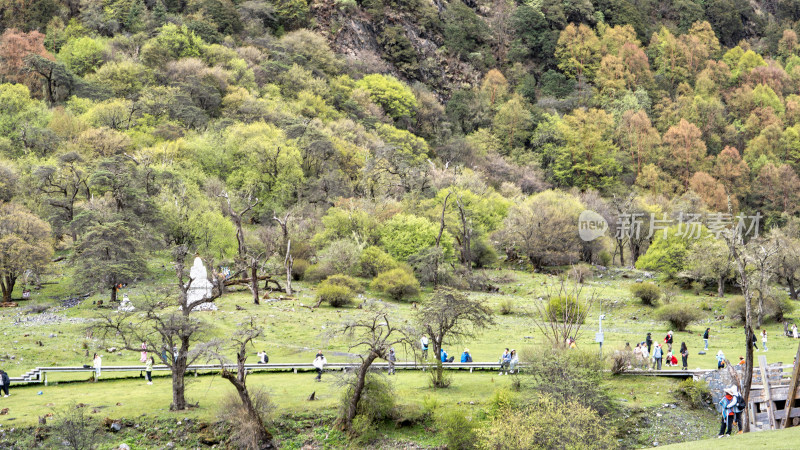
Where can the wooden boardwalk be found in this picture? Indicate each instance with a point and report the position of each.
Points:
(39, 374)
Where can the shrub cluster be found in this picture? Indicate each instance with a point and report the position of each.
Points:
(696, 393)
(648, 293)
(548, 423)
(678, 315)
(776, 306)
(399, 284)
(566, 309)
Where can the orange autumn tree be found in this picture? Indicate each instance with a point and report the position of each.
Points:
(15, 45)
(637, 136)
(686, 150)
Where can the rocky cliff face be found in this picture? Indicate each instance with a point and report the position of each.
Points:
(394, 42)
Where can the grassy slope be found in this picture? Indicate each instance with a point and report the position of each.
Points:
(783, 439)
(294, 333)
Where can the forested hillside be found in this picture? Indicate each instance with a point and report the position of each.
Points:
(381, 136)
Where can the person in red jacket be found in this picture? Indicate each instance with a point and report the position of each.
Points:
(726, 408)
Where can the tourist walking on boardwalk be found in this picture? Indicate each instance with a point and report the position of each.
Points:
(4, 382)
(684, 355)
(98, 365)
(645, 356)
(392, 358)
(319, 364)
(649, 342)
(148, 370)
(637, 354)
(764, 339)
(726, 408)
(657, 355)
(705, 339)
(423, 344)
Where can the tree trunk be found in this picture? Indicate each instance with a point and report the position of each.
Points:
(358, 389)
(178, 386)
(438, 372)
(289, 263)
(7, 285)
(114, 293)
(721, 286)
(748, 376)
(792, 289)
(264, 436)
(254, 281)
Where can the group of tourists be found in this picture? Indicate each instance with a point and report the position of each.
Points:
(650, 355)
(466, 356)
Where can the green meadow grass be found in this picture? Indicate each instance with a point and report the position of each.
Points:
(293, 333)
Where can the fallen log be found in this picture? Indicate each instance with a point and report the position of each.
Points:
(246, 281)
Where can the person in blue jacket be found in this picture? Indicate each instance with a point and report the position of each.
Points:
(445, 359)
(726, 406)
(466, 357)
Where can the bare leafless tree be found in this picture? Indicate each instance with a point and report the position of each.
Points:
(373, 333)
(288, 260)
(248, 259)
(238, 342)
(164, 322)
(559, 323)
(752, 266)
(449, 317)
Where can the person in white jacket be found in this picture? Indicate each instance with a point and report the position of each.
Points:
(319, 364)
(512, 365)
(98, 365)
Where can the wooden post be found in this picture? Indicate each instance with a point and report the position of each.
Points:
(762, 366)
(45, 378)
(787, 422)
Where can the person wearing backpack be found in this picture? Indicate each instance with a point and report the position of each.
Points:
(423, 344)
(705, 339)
(668, 340)
(657, 355)
(726, 404)
(720, 360)
(738, 408)
(262, 357)
(649, 342)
